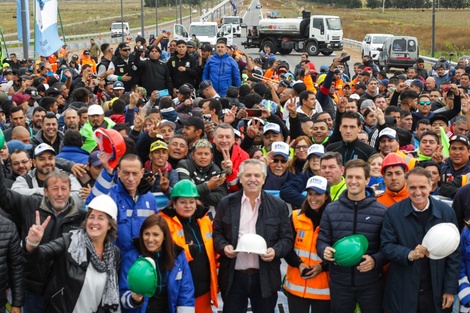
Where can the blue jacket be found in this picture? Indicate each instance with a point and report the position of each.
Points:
(448, 168)
(345, 217)
(223, 72)
(179, 284)
(402, 231)
(131, 214)
(74, 154)
(291, 191)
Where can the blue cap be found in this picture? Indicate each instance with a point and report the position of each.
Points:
(16, 144)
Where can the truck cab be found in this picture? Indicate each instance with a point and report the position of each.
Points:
(206, 32)
(236, 21)
(328, 32)
(117, 28)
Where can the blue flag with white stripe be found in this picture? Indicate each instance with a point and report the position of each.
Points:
(46, 31)
(19, 20)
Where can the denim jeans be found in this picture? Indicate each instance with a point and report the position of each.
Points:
(33, 303)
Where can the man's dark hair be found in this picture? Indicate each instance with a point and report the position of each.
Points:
(357, 163)
(73, 138)
(130, 157)
(122, 126)
(232, 92)
(104, 47)
(165, 103)
(391, 109)
(423, 121)
(251, 99)
(118, 107)
(304, 95)
(430, 133)
(214, 104)
(16, 109)
(333, 155)
(244, 90)
(408, 94)
(48, 102)
(39, 109)
(350, 115)
(81, 94)
(82, 111)
(404, 113)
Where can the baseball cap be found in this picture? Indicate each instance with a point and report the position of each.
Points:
(438, 117)
(459, 138)
(7, 72)
(389, 132)
(118, 85)
(19, 98)
(95, 109)
(384, 82)
(272, 127)
(193, 121)
(368, 103)
(94, 158)
(158, 145)
(315, 149)
(204, 84)
(16, 144)
(123, 45)
(53, 91)
(206, 47)
(167, 123)
(33, 92)
(318, 183)
(418, 83)
(355, 96)
(360, 85)
(280, 148)
(184, 90)
(222, 40)
(190, 44)
(262, 122)
(41, 148)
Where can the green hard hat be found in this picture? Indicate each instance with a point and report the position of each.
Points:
(185, 188)
(2, 140)
(142, 277)
(350, 249)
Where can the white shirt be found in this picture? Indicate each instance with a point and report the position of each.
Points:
(92, 291)
(248, 219)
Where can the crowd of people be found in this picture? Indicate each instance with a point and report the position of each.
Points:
(233, 145)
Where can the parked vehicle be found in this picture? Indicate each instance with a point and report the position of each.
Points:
(371, 43)
(118, 27)
(206, 32)
(311, 33)
(259, 6)
(398, 51)
(236, 21)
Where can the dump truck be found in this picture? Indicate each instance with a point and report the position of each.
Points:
(312, 34)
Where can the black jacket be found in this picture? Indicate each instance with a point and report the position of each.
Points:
(273, 225)
(23, 209)
(345, 217)
(155, 76)
(131, 68)
(352, 150)
(67, 279)
(179, 78)
(11, 264)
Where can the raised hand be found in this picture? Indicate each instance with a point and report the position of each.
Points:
(227, 163)
(36, 232)
(164, 181)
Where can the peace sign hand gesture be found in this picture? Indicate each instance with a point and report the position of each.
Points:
(227, 162)
(437, 156)
(36, 232)
(164, 181)
(253, 130)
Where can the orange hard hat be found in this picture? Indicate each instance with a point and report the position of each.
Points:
(393, 159)
(110, 141)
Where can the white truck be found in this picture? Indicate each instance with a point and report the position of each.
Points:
(236, 22)
(311, 34)
(206, 32)
(118, 27)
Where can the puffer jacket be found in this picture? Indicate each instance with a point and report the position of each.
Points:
(223, 72)
(187, 169)
(179, 284)
(11, 264)
(345, 217)
(74, 154)
(68, 276)
(23, 208)
(131, 214)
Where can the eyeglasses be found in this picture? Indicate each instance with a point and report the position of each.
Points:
(283, 161)
(301, 147)
(425, 103)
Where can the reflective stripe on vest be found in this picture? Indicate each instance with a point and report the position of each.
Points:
(309, 290)
(307, 254)
(465, 180)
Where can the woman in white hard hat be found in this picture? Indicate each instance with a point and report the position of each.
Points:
(307, 279)
(84, 277)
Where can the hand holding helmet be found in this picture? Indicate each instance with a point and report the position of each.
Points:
(418, 253)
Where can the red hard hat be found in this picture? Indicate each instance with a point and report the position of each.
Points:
(393, 159)
(110, 141)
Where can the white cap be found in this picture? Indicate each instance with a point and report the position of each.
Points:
(104, 203)
(272, 127)
(408, 82)
(280, 148)
(95, 109)
(262, 122)
(43, 147)
(317, 183)
(390, 133)
(355, 96)
(318, 150)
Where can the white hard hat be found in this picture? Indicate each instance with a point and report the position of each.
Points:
(441, 240)
(106, 204)
(251, 243)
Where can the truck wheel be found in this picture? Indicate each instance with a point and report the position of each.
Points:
(327, 52)
(312, 49)
(285, 51)
(271, 45)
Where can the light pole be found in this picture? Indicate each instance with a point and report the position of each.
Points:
(181, 11)
(156, 18)
(383, 6)
(142, 24)
(433, 26)
(122, 23)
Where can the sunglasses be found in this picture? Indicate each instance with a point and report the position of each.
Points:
(283, 161)
(86, 54)
(126, 50)
(425, 103)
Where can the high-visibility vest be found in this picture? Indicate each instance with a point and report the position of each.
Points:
(305, 246)
(205, 226)
(465, 179)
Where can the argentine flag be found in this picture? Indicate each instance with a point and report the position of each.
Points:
(47, 34)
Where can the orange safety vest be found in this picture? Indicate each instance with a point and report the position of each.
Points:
(205, 225)
(305, 247)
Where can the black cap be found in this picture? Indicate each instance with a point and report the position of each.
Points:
(184, 90)
(180, 42)
(204, 84)
(222, 40)
(438, 117)
(460, 138)
(206, 47)
(360, 85)
(124, 45)
(53, 91)
(195, 121)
